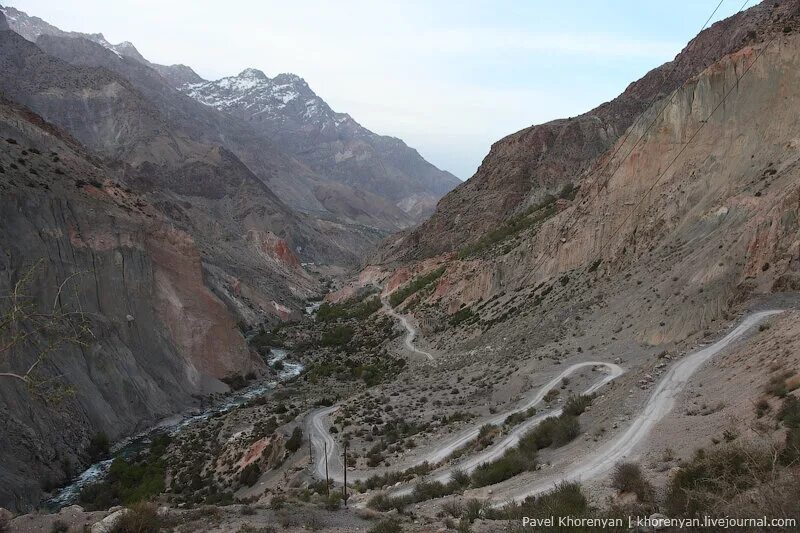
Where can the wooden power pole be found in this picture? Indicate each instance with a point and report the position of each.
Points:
(344, 487)
(327, 484)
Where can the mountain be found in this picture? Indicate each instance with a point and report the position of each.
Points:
(386, 186)
(72, 233)
(176, 244)
(31, 28)
(150, 245)
(334, 145)
(524, 167)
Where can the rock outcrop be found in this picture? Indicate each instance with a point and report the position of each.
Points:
(524, 167)
(102, 254)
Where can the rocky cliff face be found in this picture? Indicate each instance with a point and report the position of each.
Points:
(525, 166)
(96, 250)
(700, 219)
(172, 142)
(333, 144)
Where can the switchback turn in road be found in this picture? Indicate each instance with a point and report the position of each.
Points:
(593, 465)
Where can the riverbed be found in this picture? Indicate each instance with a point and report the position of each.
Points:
(173, 425)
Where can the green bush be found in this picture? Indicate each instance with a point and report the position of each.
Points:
(333, 501)
(789, 413)
(510, 464)
(382, 502)
(715, 475)
(99, 446)
(566, 500)
(461, 315)
(628, 477)
(420, 282)
(250, 474)
(515, 418)
(576, 405)
(295, 441)
(390, 525)
(337, 336)
(142, 518)
(530, 218)
(473, 508)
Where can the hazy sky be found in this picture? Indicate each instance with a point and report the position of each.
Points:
(448, 77)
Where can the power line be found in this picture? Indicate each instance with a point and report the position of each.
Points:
(652, 101)
(683, 148)
(598, 174)
(686, 145)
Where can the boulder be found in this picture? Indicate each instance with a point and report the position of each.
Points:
(107, 524)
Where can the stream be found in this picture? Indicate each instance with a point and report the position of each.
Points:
(131, 446)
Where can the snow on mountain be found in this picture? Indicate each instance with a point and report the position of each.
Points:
(333, 144)
(32, 27)
(254, 93)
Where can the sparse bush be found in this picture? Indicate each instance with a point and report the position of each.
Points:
(357, 309)
(459, 478)
(715, 475)
(418, 283)
(99, 446)
(250, 474)
(296, 440)
(333, 501)
(510, 464)
(566, 500)
(391, 525)
(628, 477)
(142, 518)
(762, 407)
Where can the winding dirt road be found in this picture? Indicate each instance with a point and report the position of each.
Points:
(411, 331)
(658, 406)
(322, 440)
(594, 464)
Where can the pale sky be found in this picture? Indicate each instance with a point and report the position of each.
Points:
(449, 77)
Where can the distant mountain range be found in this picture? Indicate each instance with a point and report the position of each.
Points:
(356, 175)
(333, 144)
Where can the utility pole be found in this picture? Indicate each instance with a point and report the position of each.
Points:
(310, 454)
(327, 484)
(344, 487)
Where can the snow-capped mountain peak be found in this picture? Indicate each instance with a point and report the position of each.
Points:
(253, 92)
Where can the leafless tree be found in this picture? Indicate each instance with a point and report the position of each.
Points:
(32, 330)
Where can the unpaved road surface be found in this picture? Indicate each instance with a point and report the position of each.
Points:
(594, 464)
(658, 406)
(322, 440)
(511, 439)
(411, 331)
